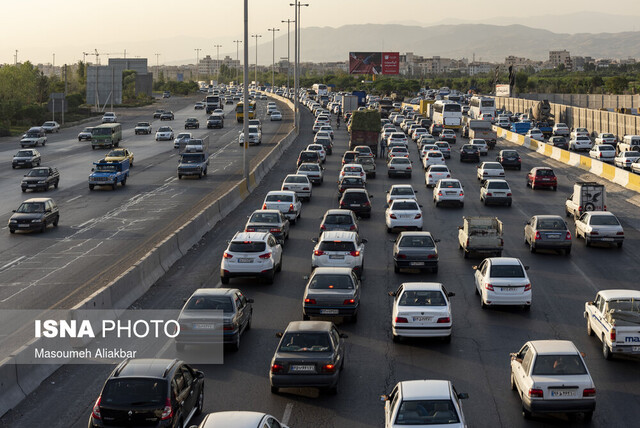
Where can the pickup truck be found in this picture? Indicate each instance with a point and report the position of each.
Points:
(545, 128)
(481, 235)
(193, 163)
(614, 318)
(109, 173)
(142, 128)
(586, 196)
(482, 129)
(33, 137)
(520, 127)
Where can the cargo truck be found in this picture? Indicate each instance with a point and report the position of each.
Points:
(480, 129)
(109, 173)
(586, 196)
(364, 129)
(349, 103)
(481, 235)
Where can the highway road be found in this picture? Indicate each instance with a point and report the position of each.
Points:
(476, 360)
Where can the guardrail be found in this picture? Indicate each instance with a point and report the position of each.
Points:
(17, 381)
(601, 169)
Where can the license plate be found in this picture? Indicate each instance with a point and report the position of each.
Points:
(498, 193)
(563, 393)
(451, 193)
(329, 312)
(245, 260)
(23, 225)
(301, 368)
(355, 205)
(553, 235)
(416, 264)
(204, 326)
(607, 239)
(422, 318)
(509, 289)
(336, 257)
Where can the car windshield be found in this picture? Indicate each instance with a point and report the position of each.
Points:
(128, 392)
(247, 246)
(24, 154)
(427, 412)
(265, 218)
(553, 224)
(191, 158)
(449, 184)
(404, 206)
(422, 298)
(305, 342)
(442, 145)
(297, 179)
(38, 173)
(164, 129)
(279, 198)
(309, 167)
(545, 173)
(106, 168)
(49, 124)
(417, 242)
(604, 220)
(31, 207)
(101, 131)
(143, 124)
(338, 219)
(116, 153)
(558, 365)
(402, 191)
(223, 303)
(506, 271)
(497, 185)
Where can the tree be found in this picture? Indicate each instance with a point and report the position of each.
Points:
(616, 84)
(521, 81)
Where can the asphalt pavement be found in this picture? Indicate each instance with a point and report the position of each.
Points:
(476, 360)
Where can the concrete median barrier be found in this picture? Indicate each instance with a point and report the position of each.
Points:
(12, 393)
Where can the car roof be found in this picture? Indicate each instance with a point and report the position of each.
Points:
(144, 367)
(554, 346)
(496, 180)
(266, 212)
(421, 286)
(233, 419)
(338, 211)
(425, 389)
(38, 200)
(215, 292)
(414, 232)
(548, 217)
(338, 235)
(251, 236)
(404, 200)
(281, 192)
(395, 186)
(295, 326)
(619, 293)
(603, 213)
(504, 261)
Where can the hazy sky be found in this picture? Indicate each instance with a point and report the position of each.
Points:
(39, 28)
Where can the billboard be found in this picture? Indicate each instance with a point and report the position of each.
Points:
(374, 62)
(503, 90)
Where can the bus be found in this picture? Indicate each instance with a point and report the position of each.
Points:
(456, 98)
(448, 114)
(478, 106)
(320, 89)
(106, 135)
(240, 111)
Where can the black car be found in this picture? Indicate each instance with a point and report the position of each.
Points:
(356, 200)
(509, 159)
(158, 393)
(436, 129)
(559, 142)
(215, 121)
(350, 183)
(310, 354)
(308, 156)
(35, 214)
(327, 144)
(469, 153)
(158, 113)
(40, 178)
(167, 115)
(192, 123)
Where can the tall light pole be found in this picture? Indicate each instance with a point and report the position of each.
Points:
(237, 42)
(197, 62)
(296, 65)
(157, 65)
(256, 72)
(218, 61)
(15, 58)
(288, 21)
(245, 94)
(273, 60)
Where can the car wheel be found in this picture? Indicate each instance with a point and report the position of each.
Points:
(305, 317)
(179, 176)
(619, 244)
(224, 279)
(91, 186)
(12, 231)
(388, 230)
(482, 304)
(589, 329)
(512, 382)
(447, 339)
(270, 277)
(353, 319)
(24, 190)
(124, 182)
(567, 251)
(396, 269)
(587, 241)
(200, 405)
(606, 351)
(555, 188)
(235, 346)
(395, 338)
(44, 227)
(434, 270)
(525, 413)
(275, 389)
(55, 222)
(588, 416)
(279, 268)
(55, 185)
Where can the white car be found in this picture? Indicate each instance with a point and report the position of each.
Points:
(182, 137)
(401, 191)
(421, 309)
(255, 136)
(448, 190)
(603, 152)
(164, 133)
(425, 139)
(404, 214)
(427, 148)
(218, 111)
(502, 281)
(561, 129)
(397, 119)
(109, 117)
(287, 202)
(142, 128)
(419, 132)
(424, 403)
(496, 191)
(353, 170)
(580, 143)
(535, 134)
(251, 254)
(397, 137)
(584, 132)
(433, 157)
(276, 115)
(436, 173)
(328, 129)
(482, 146)
(635, 166)
(240, 419)
(298, 183)
(626, 159)
(339, 249)
(398, 152)
(550, 376)
(51, 126)
(320, 149)
(599, 226)
(488, 170)
(606, 138)
(399, 166)
(312, 170)
(320, 135)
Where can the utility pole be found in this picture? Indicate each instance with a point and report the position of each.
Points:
(256, 72)
(273, 60)
(15, 58)
(53, 65)
(288, 21)
(237, 42)
(64, 100)
(157, 65)
(296, 64)
(245, 95)
(197, 62)
(218, 62)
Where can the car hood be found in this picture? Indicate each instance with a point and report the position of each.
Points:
(26, 216)
(33, 179)
(115, 158)
(23, 157)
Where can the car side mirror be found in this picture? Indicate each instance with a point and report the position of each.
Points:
(590, 303)
(475, 267)
(13, 210)
(436, 240)
(526, 268)
(344, 336)
(200, 375)
(415, 191)
(459, 227)
(93, 169)
(392, 293)
(371, 196)
(384, 398)
(279, 334)
(463, 395)
(314, 240)
(420, 205)
(250, 300)
(451, 294)
(306, 277)
(364, 241)
(184, 300)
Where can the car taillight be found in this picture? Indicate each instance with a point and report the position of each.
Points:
(349, 302)
(589, 392)
(408, 167)
(537, 236)
(367, 204)
(354, 253)
(277, 368)
(342, 204)
(444, 320)
(265, 256)
(593, 232)
(352, 227)
(264, 206)
(391, 167)
(285, 187)
(489, 194)
(484, 173)
(275, 230)
(402, 256)
(96, 409)
(440, 193)
(488, 286)
(448, 175)
(227, 255)
(318, 252)
(461, 194)
(323, 227)
(568, 236)
(392, 216)
(612, 335)
(533, 392)
(432, 256)
(527, 287)
(328, 368)
(250, 229)
(310, 301)
(605, 208)
(418, 216)
(167, 412)
(620, 234)
(401, 320)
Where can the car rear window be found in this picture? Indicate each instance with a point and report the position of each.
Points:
(352, 180)
(337, 246)
(434, 154)
(305, 342)
(506, 271)
(449, 184)
(422, 298)
(551, 225)
(545, 173)
(222, 303)
(279, 198)
(402, 161)
(604, 220)
(247, 246)
(302, 179)
(404, 206)
(338, 219)
(131, 392)
(498, 185)
(352, 169)
(309, 167)
(439, 168)
(402, 191)
(417, 242)
(354, 197)
(265, 218)
(427, 412)
(330, 281)
(558, 365)
(492, 166)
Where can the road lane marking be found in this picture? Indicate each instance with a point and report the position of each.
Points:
(168, 179)
(73, 199)
(287, 414)
(147, 167)
(85, 223)
(11, 263)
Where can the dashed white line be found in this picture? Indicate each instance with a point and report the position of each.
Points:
(168, 179)
(11, 263)
(287, 413)
(85, 223)
(73, 199)
(147, 167)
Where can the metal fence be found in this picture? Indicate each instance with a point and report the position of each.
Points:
(593, 101)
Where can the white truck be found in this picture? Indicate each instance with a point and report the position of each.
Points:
(481, 129)
(481, 235)
(349, 103)
(586, 196)
(629, 143)
(614, 318)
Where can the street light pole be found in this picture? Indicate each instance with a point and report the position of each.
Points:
(296, 65)
(245, 95)
(197, 62)
(273, 61)
(288, 21)
(218, 61)
(157, 65)
(256, 69)
(237, 42)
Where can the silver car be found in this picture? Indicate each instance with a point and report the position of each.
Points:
(332, 291)
(415, 250)
(547, 232)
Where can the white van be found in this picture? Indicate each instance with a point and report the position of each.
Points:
(629, 143)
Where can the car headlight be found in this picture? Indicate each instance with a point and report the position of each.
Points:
(13, 221)
(36, 220)
(42, 181)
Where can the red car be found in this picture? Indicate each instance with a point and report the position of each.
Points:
(542, 177)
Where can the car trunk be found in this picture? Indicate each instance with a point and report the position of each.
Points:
(561, 387)
(304, 363)
(422, 316)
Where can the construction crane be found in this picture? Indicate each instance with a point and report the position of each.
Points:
(96, 54)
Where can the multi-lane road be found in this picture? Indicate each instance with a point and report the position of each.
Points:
(476, 360)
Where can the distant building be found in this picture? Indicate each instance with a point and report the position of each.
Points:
(209, 66)
(477, 67)
(560, 57)
(104, 82)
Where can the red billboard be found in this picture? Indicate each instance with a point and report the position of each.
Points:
(374, 62)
